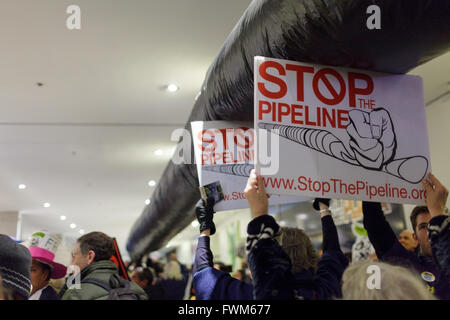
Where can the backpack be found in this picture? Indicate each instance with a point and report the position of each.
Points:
(118, 288)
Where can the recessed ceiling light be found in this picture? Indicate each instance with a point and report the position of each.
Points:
(81, 231)
(63, 218)
(22, 186)
(172, 87)
(46, 205)
(195, 223)
(73, 225)
(159, 152)
(147, 202)
(152, 183)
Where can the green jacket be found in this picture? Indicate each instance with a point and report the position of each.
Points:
(100, 270)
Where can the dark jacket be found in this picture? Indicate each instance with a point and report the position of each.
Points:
(213, 284)
(174, 288)
(439, 235)
(271, 266)
(155, 292)
(184, 271)
(49, 294)
(101, 270)
(433, 271)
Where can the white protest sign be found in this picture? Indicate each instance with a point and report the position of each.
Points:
(224, 152)
(344, 133)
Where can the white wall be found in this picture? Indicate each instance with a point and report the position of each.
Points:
(8, 223)
(438, 122)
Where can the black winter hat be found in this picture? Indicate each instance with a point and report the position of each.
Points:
(15, 265)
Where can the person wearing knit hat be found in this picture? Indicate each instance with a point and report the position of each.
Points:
(42, 248)
(15, 264)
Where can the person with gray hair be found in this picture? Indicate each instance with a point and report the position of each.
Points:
(368, 280)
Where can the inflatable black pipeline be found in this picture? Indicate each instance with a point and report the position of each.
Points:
(329, 32)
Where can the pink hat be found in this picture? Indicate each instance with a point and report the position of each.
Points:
(40, 247)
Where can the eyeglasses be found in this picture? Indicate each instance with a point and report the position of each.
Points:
(74, 254)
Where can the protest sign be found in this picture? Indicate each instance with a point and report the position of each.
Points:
(343, 133)
(224, 152)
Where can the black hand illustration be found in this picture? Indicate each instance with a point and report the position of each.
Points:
(372, 138)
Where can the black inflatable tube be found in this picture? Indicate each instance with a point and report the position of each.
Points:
(332, 32)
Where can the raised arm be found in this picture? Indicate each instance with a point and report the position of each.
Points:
(439, 225)
(378, 229)
(333, 262)
(269, 264)
(203, 255)
(329, 232)
(210, 283)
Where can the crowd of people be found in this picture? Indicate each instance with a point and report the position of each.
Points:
(282, 262)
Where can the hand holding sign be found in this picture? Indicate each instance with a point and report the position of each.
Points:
(204, 211)
(372, 137)
(256, 195)
(436, 196)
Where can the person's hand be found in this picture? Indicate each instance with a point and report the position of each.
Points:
(436, 195)
(372, 137)
(205, 212)
(256, 195)
(321, 203)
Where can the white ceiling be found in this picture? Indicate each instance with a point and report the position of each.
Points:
(85, 140)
